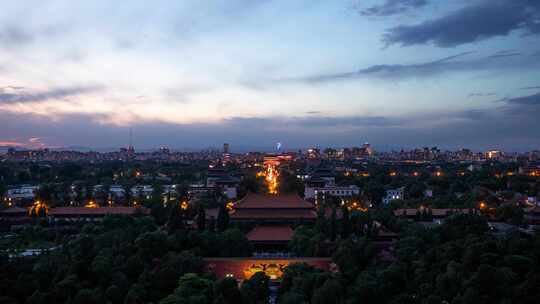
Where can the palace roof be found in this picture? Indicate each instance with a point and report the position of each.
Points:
(101, 211)
(273, 214)
(269, 201)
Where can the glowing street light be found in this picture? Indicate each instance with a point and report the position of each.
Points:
(91, 204)
(483, 205)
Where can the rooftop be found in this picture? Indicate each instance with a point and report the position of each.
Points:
(267, 201)
(74, 211)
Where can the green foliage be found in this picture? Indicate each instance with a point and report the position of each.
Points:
(255, 289)
(353, 256)
(192, 289)
(302, 241)
(223, 218)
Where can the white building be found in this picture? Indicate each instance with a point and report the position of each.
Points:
(344, 191)
(393, 194)
(22, 192)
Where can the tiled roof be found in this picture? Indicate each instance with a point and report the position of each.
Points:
(268, 201)
(74, 211)
(13, 210)
(240, 214)
(270, 233)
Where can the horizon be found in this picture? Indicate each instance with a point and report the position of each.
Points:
(247, 149)
(189, 74)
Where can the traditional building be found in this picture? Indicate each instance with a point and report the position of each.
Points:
(273, 209)
(243, 268)
(74, 214)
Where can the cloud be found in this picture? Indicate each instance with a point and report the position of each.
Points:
(32, 142)
(393, 7)
(14, 35)
(455, 63)
(510, 124)
(530, 100)
(530, 88)
(480, 95)
(20, 95)
(11, 143)
(487, 19)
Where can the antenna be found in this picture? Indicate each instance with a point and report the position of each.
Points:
(130, 137)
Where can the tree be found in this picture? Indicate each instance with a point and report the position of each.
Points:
(128, 195)
(158, 210)
(345, 222)
(226, 291)
(299, 282)
(233, 243)
(301, 242)
(89, 191)
(223, 218)
(333, 224)
(192, 289)
(255, 289)
(114, 294)
(329, 293)
(353, 256)
(321, 223)
(201, 218)
(212, 224)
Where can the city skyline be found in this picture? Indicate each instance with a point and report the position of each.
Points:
(395, 73)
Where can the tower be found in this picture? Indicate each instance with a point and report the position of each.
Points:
(131, 149)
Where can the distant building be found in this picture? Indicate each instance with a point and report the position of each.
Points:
(321, 177)
(22, 192)
(393, 194)
(218, 177)
(493, 155)
(339, 191)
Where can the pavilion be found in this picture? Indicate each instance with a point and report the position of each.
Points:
(272, 217)
(286, 209)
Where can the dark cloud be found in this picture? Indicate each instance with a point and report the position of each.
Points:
(393, 7)
(313, 121)
(13, 35)
(505, 53)
(480, 95)
(530, 100)
(313, 112)
(21, 96)
(511, 124)
(483, 20)
(455, 63)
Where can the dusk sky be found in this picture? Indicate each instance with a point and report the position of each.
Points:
(194, 74)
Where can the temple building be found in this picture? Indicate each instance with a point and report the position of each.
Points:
(243, 268)
(268, 219)
(285, 209)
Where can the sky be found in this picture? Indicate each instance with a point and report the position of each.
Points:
(195, 74)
